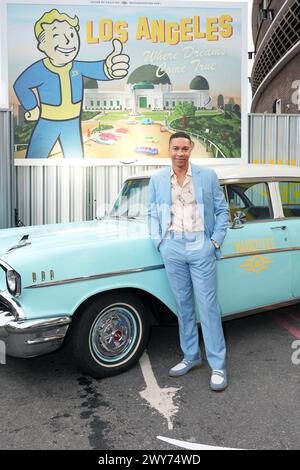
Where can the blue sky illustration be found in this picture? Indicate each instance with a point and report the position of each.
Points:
(219, 62)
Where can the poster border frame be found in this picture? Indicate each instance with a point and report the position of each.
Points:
(4, 95)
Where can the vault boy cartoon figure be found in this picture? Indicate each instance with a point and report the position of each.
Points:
(58, 81)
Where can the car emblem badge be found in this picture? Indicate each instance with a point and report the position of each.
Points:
(257, 263)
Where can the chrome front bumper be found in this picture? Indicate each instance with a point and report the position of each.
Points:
(28, 338)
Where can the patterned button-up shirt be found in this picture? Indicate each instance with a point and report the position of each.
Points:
(185, 214)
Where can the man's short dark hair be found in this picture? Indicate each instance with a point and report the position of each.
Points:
(180, 135)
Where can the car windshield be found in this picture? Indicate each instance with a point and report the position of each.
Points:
(132, 200)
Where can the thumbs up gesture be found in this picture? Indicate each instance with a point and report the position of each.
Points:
(116, 64)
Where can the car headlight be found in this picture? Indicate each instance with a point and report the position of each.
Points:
(13, 281)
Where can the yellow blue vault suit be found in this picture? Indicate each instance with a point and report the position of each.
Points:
(60, 91)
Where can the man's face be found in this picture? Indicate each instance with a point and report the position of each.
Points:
(60, 42)
(180, 150)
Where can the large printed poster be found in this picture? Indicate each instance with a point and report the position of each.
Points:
(99, 81)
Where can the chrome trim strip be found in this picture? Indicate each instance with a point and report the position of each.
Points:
(32, 342)
(150, 268)
(285, 219)
(263, 252)
(6, 266)
(256, 221)
(249, 179)
(38, 324)
(254, 311)
(262, 179)
(96, 276)
(15, 247)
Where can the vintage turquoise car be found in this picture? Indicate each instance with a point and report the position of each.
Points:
(98, 286)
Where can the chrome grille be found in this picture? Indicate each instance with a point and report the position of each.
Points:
(5, 307)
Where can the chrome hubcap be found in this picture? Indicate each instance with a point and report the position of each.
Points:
(113, 333)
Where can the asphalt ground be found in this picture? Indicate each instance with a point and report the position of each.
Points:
(46, 403)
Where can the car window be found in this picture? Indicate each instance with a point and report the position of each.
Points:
(251, 198)
(290, 198)
(132, 200)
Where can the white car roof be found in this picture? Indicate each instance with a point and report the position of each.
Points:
(242, 171)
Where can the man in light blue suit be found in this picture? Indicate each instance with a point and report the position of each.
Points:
(188, 217)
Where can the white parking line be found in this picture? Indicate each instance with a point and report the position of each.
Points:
(162, 399)
(191, 445)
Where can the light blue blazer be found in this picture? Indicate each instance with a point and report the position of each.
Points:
(209, 198)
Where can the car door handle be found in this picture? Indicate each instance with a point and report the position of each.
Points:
(281, 227)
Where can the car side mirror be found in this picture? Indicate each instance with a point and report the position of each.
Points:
(239, 220)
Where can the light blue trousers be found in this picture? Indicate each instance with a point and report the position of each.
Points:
(46, 133)
(191, 269)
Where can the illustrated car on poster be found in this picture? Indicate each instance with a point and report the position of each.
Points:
(146, 150)
(151, 139)
(108, 136)
(104, 140)
(122, 130)
(147, 121)
(99, 286)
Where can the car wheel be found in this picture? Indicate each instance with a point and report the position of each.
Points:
(110, 335)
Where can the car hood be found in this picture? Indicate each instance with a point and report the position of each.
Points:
(23, 241)
(66, 253)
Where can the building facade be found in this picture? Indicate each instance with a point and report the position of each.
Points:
(147, 88)
(275, 79)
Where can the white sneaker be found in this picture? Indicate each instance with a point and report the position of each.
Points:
(218, 381)
(184, 367)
